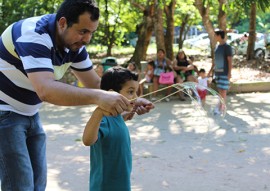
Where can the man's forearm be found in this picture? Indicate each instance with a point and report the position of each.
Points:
(59, 93)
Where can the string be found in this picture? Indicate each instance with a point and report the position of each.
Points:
(168, 96)
(187, 85)
(150, 93)
(191, 88)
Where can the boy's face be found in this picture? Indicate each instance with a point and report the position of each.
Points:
(129, 90)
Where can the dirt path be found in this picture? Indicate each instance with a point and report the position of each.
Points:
(173, 147)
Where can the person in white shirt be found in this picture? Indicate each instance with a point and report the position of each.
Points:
(203, 82)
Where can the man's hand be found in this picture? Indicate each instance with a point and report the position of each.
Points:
(113, 102)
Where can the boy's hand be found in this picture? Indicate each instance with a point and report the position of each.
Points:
(140, 106)
(143, 106)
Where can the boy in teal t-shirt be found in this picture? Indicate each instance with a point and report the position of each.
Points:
(108, 136)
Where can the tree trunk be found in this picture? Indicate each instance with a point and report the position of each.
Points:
(144, 32)
(222, 23)
(109, 49)
(183, 32)
(169, 11)
(107, 29)
(252, 32)
(204, 12)
(158, 25)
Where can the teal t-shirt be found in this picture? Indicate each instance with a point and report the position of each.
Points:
(110, 157)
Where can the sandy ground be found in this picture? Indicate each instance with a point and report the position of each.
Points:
(175, 147)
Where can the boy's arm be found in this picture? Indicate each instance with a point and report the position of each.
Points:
(90, 134)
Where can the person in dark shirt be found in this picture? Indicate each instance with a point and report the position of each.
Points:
(184, 69)
(222, 67)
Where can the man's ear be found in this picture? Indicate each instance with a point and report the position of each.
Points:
(62, 23)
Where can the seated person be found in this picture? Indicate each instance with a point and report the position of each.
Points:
(148, 75)
(184, 69)
(132, 67)
(162, 64)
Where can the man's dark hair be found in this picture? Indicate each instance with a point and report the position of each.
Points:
(114, 78)
(72, 9)
(220, 33)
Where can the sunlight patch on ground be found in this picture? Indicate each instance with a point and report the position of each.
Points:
(175, 127)
(147, 131)
(220, 133)
(261, 131)
(80, 159)
(266, 150)
(60, 129)
(54, 127)
(136, 188)
(206, 150)
(53, 179)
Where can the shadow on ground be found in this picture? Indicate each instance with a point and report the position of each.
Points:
(175, 147)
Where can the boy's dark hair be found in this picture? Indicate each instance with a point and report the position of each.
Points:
(72, 9)
(114, 78)
(220, 33)
(202, 70)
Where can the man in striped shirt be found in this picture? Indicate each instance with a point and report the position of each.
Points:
(34, 54)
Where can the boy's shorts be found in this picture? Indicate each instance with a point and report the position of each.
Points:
(202, 93)
(222, 82)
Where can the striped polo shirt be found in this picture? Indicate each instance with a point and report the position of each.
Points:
(29, 46)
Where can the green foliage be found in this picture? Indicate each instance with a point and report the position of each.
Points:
(186, 8)
(100, 50)
(262, 24)
(263, 5)
(115, 23)
(120, 22)
(12, 10)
